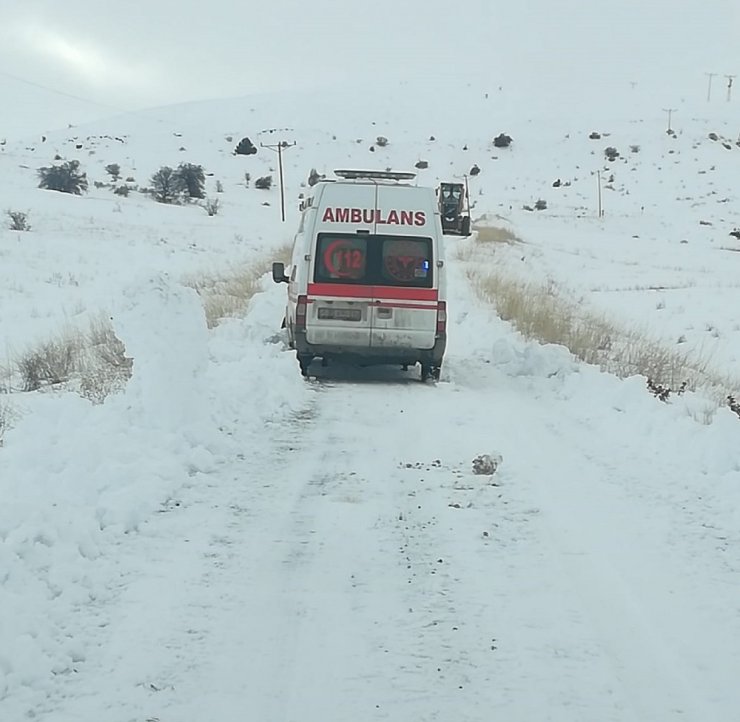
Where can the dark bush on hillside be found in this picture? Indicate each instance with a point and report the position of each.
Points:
(264, 183)
(611, 153)
(113, 170)
(314, 177)
(165, 185)
(191, 180)
(502, 140)
(245, 147)
(65, 178)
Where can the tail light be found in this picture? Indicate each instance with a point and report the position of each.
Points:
(301, 308)
(442, 317)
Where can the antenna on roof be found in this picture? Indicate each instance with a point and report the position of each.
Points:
(376, 174)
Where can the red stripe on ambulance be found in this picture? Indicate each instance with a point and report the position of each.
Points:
(349, 290)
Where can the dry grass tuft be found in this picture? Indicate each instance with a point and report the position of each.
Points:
(227, 294)
(107, 368)
(546, 315)
(52, 362)
(495, 234)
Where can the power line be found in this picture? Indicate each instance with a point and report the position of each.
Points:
(41, 86)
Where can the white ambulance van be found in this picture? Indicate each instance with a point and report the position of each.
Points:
(366, 283)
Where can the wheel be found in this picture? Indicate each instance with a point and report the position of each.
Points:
(304, 362)
(428, 371)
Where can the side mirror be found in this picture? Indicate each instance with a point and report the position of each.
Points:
(278, 273)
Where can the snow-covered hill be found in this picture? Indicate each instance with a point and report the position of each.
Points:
(224, 540)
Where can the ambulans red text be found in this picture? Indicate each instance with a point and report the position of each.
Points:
(374, 216)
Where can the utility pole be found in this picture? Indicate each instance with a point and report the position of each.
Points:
(730, 78)
(670, 112)
(598, 191)
(279, 148)
(709, 85)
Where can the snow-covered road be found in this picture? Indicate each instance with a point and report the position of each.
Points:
(341, 560)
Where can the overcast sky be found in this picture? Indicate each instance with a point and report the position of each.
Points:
(133, 54)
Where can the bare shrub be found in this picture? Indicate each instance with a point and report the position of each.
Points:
(18, 221)
(212, 206)
(49, 363)
(6, 414)
(106, 367)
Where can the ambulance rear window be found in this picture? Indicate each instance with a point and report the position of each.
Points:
(341, 258)
(406, 262)
(374, 260)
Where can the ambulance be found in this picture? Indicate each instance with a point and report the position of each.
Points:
(366, 281)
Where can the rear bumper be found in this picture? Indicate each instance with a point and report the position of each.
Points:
(372, 355)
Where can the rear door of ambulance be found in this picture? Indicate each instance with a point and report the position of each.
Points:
(406, 292)
(340, 291)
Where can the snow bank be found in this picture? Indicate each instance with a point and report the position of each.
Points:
(75, 477)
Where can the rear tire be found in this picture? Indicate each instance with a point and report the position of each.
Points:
(430, 372)
(304, 362)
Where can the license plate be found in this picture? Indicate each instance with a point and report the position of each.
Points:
(340, 314)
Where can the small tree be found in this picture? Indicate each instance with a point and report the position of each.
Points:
(191, 180)
(264, 183)
(165, 185)
(113, 170)
(65, 178)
